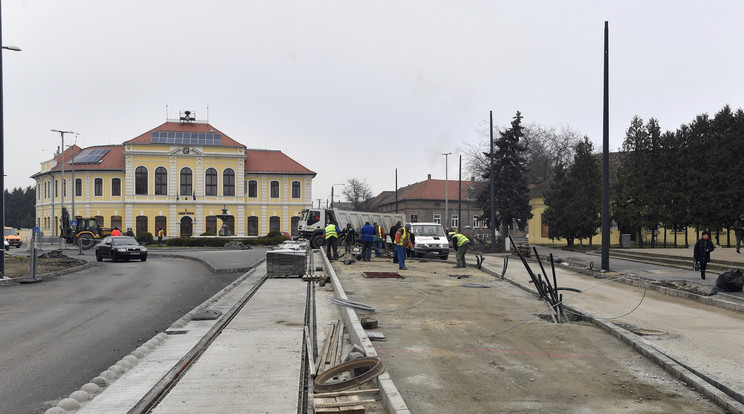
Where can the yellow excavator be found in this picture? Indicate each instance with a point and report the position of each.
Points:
(87, 230)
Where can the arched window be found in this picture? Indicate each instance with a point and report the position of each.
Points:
(211, 224)
(141, 225)
(140, 181)
(210, 184)
(253, 189)
(275, 189)
(275, 223)
(295, 189)
(161, 181)
(228, 182)
(252, 226)
(186, 181)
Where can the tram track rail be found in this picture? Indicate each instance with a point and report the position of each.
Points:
(161, 389)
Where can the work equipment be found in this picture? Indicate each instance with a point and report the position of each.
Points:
(86, 231)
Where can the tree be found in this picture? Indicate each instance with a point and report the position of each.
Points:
(574, 198)
(512, 193)
(358, 193)
(20, 207)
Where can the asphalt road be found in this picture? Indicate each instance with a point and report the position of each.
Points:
(58, 334)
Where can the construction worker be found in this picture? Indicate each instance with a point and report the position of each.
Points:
(393, 232)
(330, 234)
(379, 237)
(161, 233)
(116, 232)
(368, 237)
(403, 242)
(461, 244)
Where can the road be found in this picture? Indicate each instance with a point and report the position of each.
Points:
(58, 334)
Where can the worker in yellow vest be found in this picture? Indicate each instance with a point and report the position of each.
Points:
(461, 244)
(402, 243)
(330, 234)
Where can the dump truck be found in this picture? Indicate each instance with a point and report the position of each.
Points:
(87, 231)
(314, 220)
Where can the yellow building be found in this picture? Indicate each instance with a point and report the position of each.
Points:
(179, 177)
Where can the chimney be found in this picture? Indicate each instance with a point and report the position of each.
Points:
(428, 176)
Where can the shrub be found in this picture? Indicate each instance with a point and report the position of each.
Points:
(144, 238)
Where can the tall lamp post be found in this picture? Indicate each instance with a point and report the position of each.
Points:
(446, 191)
(2, 147)
(62, 180)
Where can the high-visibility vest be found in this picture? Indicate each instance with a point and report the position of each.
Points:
(403, 236)
(460, 239)
(380, 234)
(160, 233)
(330, 231)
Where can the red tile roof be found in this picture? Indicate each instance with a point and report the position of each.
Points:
(179, 127)
(112, 160)
(434, 190)
(272, 161)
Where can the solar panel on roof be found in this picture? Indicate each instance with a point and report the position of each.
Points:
(186, 138)
(90, 155)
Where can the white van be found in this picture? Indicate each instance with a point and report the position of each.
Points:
(430, 240)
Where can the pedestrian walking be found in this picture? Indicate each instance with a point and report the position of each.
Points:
(393, 231)
(330, 234)
(703, 247)
(368, 237)
(461, 244)
(739, 231)
(403, 242)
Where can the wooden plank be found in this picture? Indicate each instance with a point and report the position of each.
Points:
(310, 358)
(347, 392)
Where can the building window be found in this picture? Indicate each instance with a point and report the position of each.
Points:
(414, 218)
(141, 222)
(116, 222)
(211, 222)
(275, 189)
(253, 226)
(116, 187)
(437, 218)
(99, 220)
(161, 181)
(253, 189)
(476, 222)
(543, 226)
(64, 187)
(56, 188)
(455, 221)
(185, 181)
(295, 189)
(78, 187)
(161, 223)
(228, 182)
(274, 223)
(140, 181)
(210, 183)
(98, 187)
(294, 224)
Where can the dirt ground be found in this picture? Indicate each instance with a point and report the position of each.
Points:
(18, 266)
(456, 349)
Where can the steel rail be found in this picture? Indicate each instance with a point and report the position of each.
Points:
(153, 397)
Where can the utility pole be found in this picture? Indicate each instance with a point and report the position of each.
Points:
(446, 191)
(606, 157)
(492, 224)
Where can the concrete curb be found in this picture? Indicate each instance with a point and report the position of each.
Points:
(733, 404)
(18, 280)
(391, 398)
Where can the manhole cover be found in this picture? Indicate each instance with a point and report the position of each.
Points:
(383, 275)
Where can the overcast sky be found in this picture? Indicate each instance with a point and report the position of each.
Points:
(358, 89)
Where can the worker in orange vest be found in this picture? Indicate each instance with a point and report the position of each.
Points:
(116, 232)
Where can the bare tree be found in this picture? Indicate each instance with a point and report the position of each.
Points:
(358, 193)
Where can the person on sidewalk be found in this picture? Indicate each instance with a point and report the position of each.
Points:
(461, 244)
(703, 247)
(739, 231)
(403, 242)
(330, 234)
(393, 231)
(368, 237)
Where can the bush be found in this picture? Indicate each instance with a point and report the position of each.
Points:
(220, 241)
(144, 238)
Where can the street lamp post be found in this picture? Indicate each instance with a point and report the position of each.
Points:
(2, 147)
(62, 179)
(446, 190)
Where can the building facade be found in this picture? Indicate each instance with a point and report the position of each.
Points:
(184, 176)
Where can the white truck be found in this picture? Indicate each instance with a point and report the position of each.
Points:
(313, 221)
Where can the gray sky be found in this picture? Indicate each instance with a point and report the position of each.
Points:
(358, 89)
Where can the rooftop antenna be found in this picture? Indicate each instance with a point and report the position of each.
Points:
(166, 112)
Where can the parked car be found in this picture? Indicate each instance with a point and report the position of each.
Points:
(12, 237)
(287, 235)
(7, 245)
(120, 248)
(431, 240)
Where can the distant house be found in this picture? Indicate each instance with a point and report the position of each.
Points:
(425, 201)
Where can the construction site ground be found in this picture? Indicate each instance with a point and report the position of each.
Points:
(454, 348)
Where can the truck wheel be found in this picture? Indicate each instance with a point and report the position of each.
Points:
(86, 240)
(444, 257)
(316, 241)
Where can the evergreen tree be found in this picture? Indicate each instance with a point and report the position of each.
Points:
(509, 175)
(20, 207)
(574, 200)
